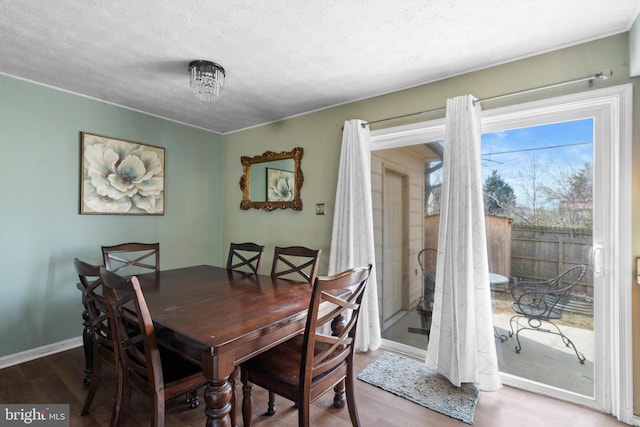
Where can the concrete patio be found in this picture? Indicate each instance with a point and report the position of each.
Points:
(543, 357)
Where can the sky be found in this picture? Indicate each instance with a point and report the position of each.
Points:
(547, 152)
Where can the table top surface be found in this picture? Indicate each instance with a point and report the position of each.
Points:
(214, 307)
(498, 279)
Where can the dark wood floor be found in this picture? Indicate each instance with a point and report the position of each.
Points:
(58, 379)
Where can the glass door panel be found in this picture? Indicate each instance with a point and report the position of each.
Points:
(538, 200)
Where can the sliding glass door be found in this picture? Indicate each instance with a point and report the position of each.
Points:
(553, 173)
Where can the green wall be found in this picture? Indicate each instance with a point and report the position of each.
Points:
(319, 133)
(41, 231)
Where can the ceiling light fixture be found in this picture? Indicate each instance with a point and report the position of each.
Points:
(207, 79)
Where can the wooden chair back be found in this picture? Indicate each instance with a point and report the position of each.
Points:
(132, 258)
(96, 305)
(98, 330)
(140, 361)
(245, 257)
(343, 292)
(295, 262)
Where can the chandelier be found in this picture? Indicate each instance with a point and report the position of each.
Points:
(207, 79)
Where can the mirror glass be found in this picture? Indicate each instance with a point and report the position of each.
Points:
(272, 180)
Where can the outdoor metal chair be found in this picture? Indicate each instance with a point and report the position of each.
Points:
(427, 260)
(541, 303)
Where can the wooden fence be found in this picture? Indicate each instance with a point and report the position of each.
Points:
(498, 241)
(530, 253)
(538, 253)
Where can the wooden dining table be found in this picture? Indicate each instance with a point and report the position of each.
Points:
(220, 318)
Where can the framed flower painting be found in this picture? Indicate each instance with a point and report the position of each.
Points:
(120, 177)
(280, 185)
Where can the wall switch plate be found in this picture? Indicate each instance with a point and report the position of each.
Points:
(319, 208)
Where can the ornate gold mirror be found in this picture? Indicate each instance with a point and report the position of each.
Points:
(272, 180)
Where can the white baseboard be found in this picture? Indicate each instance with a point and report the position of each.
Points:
(35, 353)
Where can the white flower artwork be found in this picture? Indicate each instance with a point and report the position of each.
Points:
(121, 177)
(280, 185)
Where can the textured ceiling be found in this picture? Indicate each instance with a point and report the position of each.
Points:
(282, 57)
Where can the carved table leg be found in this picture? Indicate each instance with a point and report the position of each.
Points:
(217, 395)
(339, 401)
(87, 343)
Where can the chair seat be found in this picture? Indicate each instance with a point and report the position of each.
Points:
(175, 367)
(536, 311)
(282, 363)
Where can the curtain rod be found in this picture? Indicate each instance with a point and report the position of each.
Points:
(602, 75)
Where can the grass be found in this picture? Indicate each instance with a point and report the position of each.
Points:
(501, 304)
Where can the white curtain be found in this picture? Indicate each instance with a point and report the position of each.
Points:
(461, 342)
(352, 236)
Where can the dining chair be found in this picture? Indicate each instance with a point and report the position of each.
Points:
(309, 365)
(245, 256)
(293, 262)
(157, 373)
(98, 329)
(296, 261)
(132, 258)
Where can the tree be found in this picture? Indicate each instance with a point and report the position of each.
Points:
(499, 197)
(536, 208)
(574, 194)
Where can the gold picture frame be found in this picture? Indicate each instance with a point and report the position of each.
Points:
(252, 182)
(119, 177)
